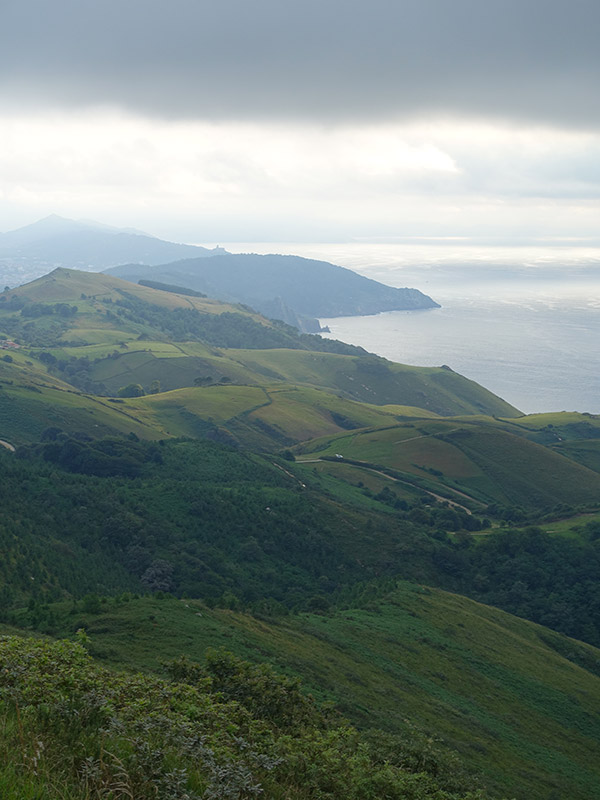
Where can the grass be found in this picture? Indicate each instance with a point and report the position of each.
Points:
(173, 371)
(584, 452)
(26, 413)
(569, 526)
(494, 687)
(376, 381)
(479, 458)
(267, 417)
(355, 475)
(557, 419)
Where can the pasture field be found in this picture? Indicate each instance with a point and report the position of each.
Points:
(108, 346)
(178, 412)
(483, 460)
(377, 381)
(356, 485)
(586, 452)
(26, 411)
(101, 341)
(268, 417)
(557, 419)
(529, 474)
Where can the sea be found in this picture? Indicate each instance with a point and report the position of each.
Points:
(523, 321)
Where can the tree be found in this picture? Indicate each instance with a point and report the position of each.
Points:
(131, 390)
(47, 358)
(159, 576)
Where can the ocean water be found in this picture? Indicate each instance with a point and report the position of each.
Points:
(522, 321)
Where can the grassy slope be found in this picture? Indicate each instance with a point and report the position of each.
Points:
(436, 390)
(584, 452)
(480, 458)
(25, 414)
(67, 286)
(32, 399)
(429, 388)
(123, 358)
(492, 686)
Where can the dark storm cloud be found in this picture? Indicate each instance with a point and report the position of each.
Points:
(333, 60)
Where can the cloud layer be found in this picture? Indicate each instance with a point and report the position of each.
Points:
(336, 60)
(202, 181)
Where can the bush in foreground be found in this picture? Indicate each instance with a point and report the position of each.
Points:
(227, 731)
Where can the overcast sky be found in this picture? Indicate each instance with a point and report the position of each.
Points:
(278, 120)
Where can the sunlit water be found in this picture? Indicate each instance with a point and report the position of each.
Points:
(522, 321)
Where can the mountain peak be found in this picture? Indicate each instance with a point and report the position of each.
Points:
(27, 252)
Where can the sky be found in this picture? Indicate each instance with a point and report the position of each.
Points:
(271, 120)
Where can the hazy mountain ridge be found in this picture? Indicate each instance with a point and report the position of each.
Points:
(54, 241)
(293, 289)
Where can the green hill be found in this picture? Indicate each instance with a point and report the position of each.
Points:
(84, 335)
(479, 458)
(205, 520)
(518, 703)
(195, 518)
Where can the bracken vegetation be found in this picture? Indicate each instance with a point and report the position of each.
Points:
(225, 731)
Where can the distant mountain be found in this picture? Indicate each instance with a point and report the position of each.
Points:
(277, 285)
(30, 251)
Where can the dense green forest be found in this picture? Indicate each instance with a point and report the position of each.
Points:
(202, 519)
(195, 518)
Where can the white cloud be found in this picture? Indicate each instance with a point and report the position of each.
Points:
(201, 180)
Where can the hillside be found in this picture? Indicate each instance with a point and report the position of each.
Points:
(169, 445)
(71, 307)
(193, 517)
(265, 282)
(204, 520)
(30, 251)
(518, 703)
(485, 460)
(227, 729)
(93, 333)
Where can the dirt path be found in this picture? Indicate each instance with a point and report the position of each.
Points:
(428, 491)
(293, 477)
(8, 445)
